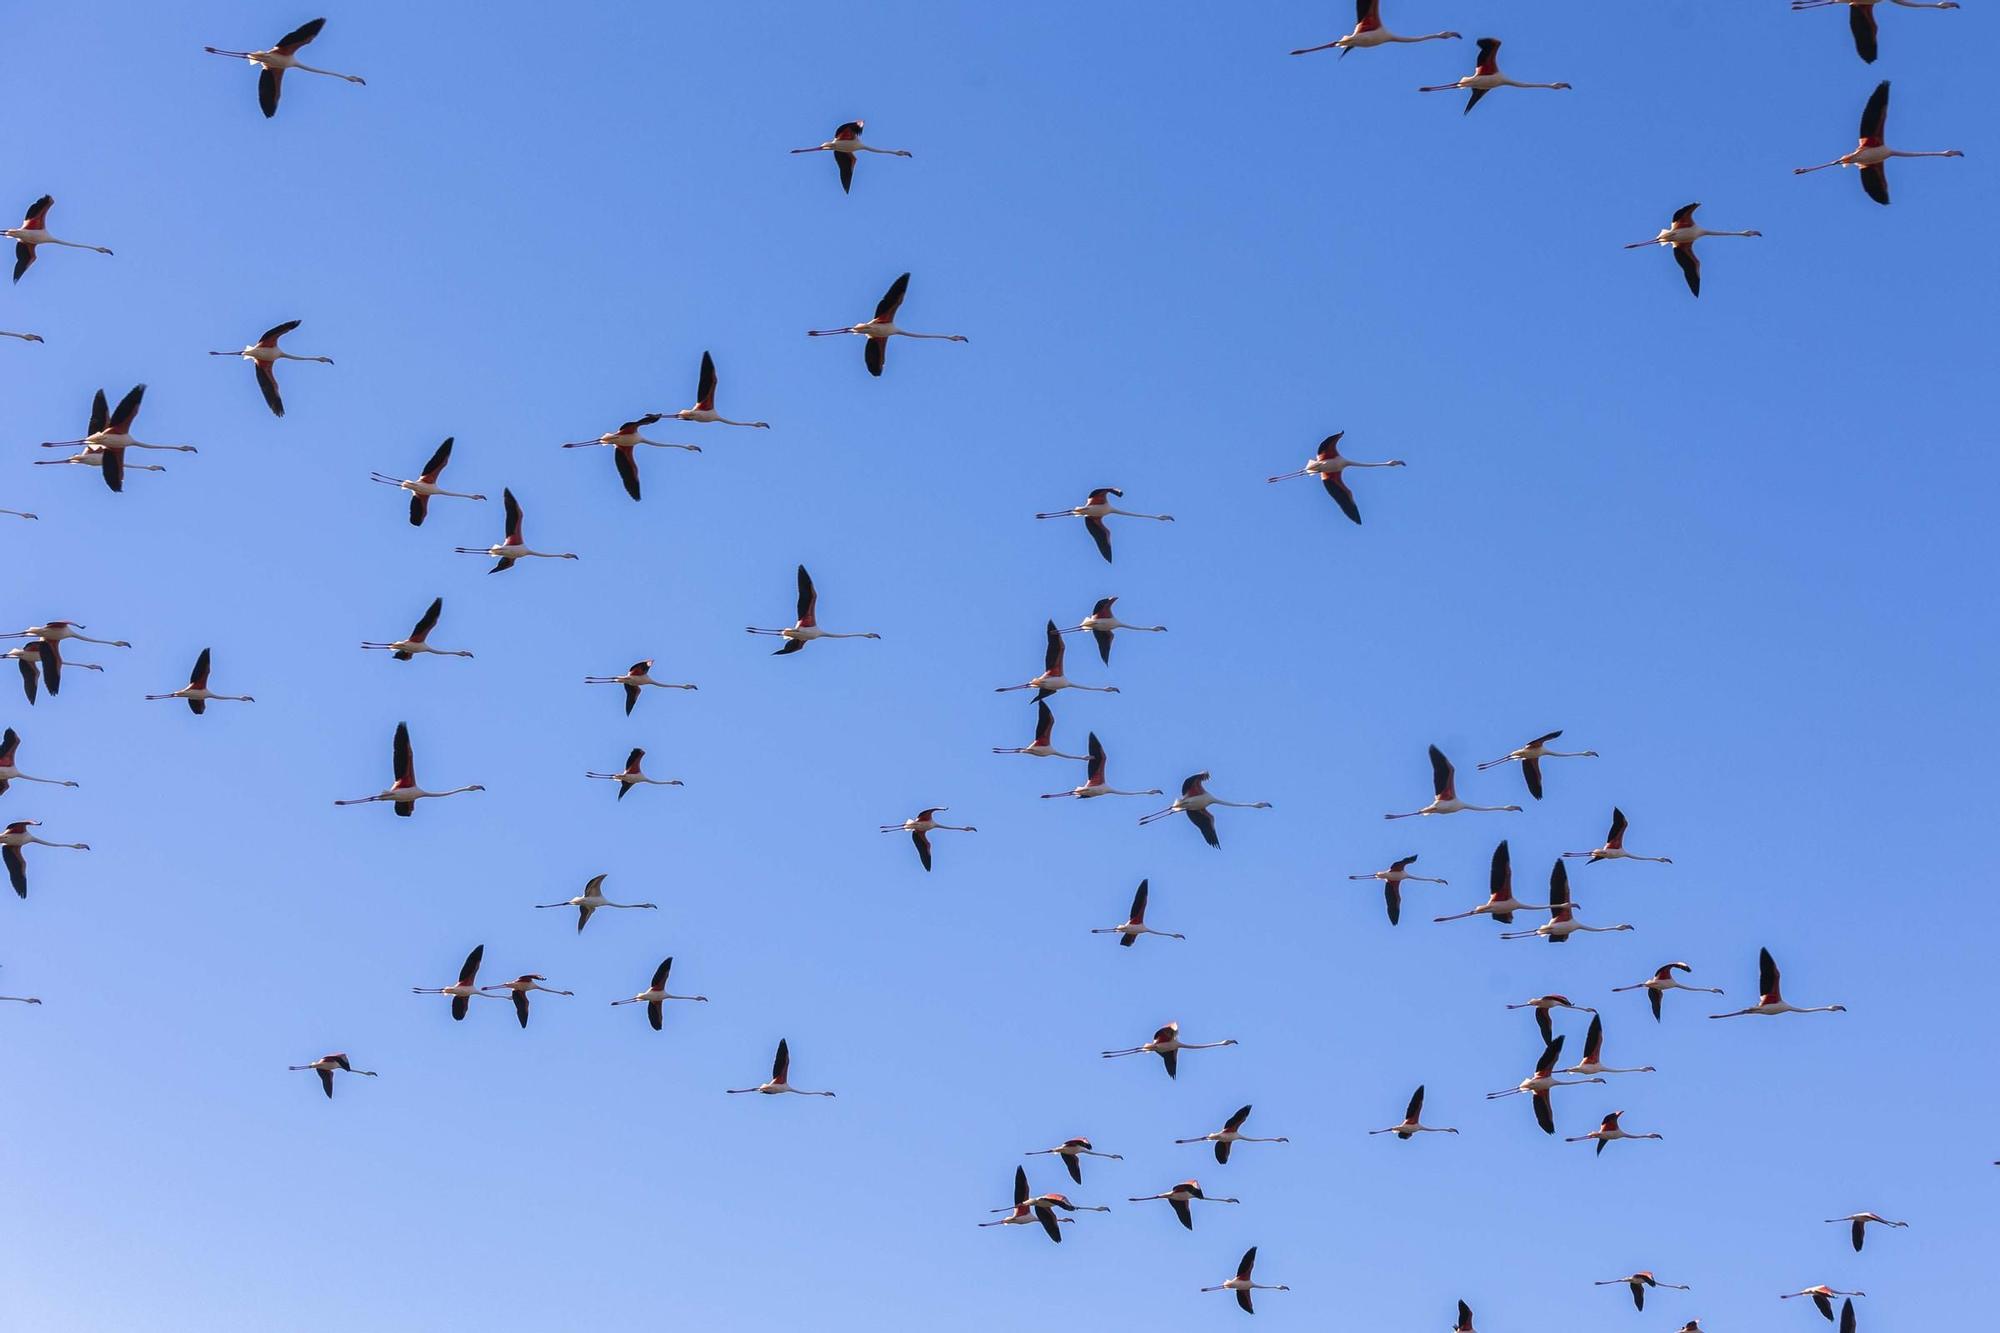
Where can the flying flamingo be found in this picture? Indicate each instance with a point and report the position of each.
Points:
(1179, 1197)
(20, 513)
(1771, 1002)
(405, 792)
(21, 999)
(33, 233)
(1464, 1324)
(1872, 154)
(109, 437)
(1327, 463)
(1662, 981)
(1052, 678)
(703, 410)
(1101, 624)
(655, 996)
(1857, 1232)
(45, 655)
(1195, 802)
(1822, 1298)
(1538, 1084)
(514, 547)
(1562, 922)
(1167, 1044)
(1614, 845)
(519, 989)
(1500, 904)
(282, 55)
(264, 355)
(1530, 757)
(1062, 1201)
(424, 486)
(1608, 1132)
(419, 638)
(1861, 22)
(326, 1064)
(9, 743)
(1393, 879)
(1680, 235)
(780, 1080)
(1368, 31)
(624, 443)
(26, 338)
(462, 990)
(1093, 783)
(1593, 1054)
(1230, 1133)
(1446, 800)
(1412, 1123)
(1544, 1005)
(1485, 76)
(1134, 925)
(920, 826)
(1044, 745)
(1639, 1282)
(807, 627)
(16, 836)
(1095, 509)
(1071, 1150)
(58, 630)
(633, 776)
(636, 677)
(844, 144)
(1241, 1283)
(591, 899)
(880, 329)
(196, 691)
(1691, 1326)
(1024, 1211)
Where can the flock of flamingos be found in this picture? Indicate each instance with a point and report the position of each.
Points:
(39, 655)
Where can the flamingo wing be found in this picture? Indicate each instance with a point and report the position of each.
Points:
(892, 300)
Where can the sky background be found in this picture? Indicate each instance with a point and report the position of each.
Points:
(1741, 546)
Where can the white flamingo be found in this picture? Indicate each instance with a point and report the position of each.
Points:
(1872, 154)
(1134, 925)
(1167, 1044)
(1368, 31)
(1327, 463)
(781, 1073)
(282, 55)
(1024, 1211)
(327, 1064)
(1097, 507)
(1858, 1227)
(1242, 1284)
(418, 640)
(1610, 1131)
(464, 989)
(635, 678)
(57, 631)
(42, 660)
(624, 443)
(10, 743)
(844, 144)
(1094, 783)
(264, 355)
(1640, 1282)
(424, 485)
(1861, 24)
(1413, 1121)
(1770, 1001)
(1530, 757)
(1500, 904)
(31, 235)
(1230, 1134)
(1562, 922)
(703, 410)
(26, 338)
(591, 899)
(877, 331)
(1393, 879)
(1485, 76)
(514, 547)
(806, 628)
(920, 827)
(1822, 1298)
(1195, 801)
(14, 838)
(1614, 845)
(1593, 1054)
(405, 792)
(196, 693)
(1052, 678)
(520, 988)
(1071, 1150)
(1043, 746)
(1539, 1083)
(1680, 236)
(1102, 623)
(656, 995)
(1662, 981)
(1444, 786)
(1180, 1196)
(633, 775)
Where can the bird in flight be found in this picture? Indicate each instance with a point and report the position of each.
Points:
(264, 356)
(591, 899)
(1861, 23)
(806, 628)
(282, 55)
(921, 825)
(31, 235)
(514, 546)
(196, 692)
(883, 327)
(1872, 154)
(1328, 463)
(424, 486)
(1680, 236)
(1368, 31)
(1485, 76)
(1095, 509)
(844, 144)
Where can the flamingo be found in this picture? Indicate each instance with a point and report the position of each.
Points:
(424, 486)
(1500, 902)
(1614, 845)
(1179, 1197)
(462, 990)
(1134, 925)
(1368, 31)
(880, 329)
(405, 791)
(58, 630)
(1857, 1231)
(514, 547)
(591, 899)
(1101, 624)
(26, 338)
(196, 691)
(1662, 981)
(844, 144)
(1412, 1123)
(1593, 1054)
(1025, 1209)
(1543, 1005)
(807, 627)
(780, 1080)
(31, 235)
(1464, 1324)
(326, 1064)
(1230, 1133)
(624, 443)
(109, 437)
(1071, 1151)
(632, 776)
(655, 996)
(1539, 1083)
(112, 461)
(1095, 509)
(1485, 76)
(637, 677)
(1562, 922)
(45, 655)
(1062, 1201)
(1195, 802)
(1327, 463)
(1241, 1283)
(10, 742)
(1771, 1002)
(703, 410)
(264, 355)
(1044, 745)
(1167, 1044)
(1822, 1298)
(14, 837)
(1872, 154)
(20, 513)
(1393, 879)
(1530, 757)
(1052, 678)
(419, 637)
(1093, 783)
(1680, 235)
(920, 827)
(519, 988)
(1861, 22)
(281, 56)
(1640, 1282)
(1608, 1132)
(1446, 800)
(1691, 1326)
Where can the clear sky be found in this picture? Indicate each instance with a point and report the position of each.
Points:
(1739, 545)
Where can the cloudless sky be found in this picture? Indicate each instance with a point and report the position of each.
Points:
(1740, 545)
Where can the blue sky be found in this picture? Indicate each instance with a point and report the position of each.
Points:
(1736, 545)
